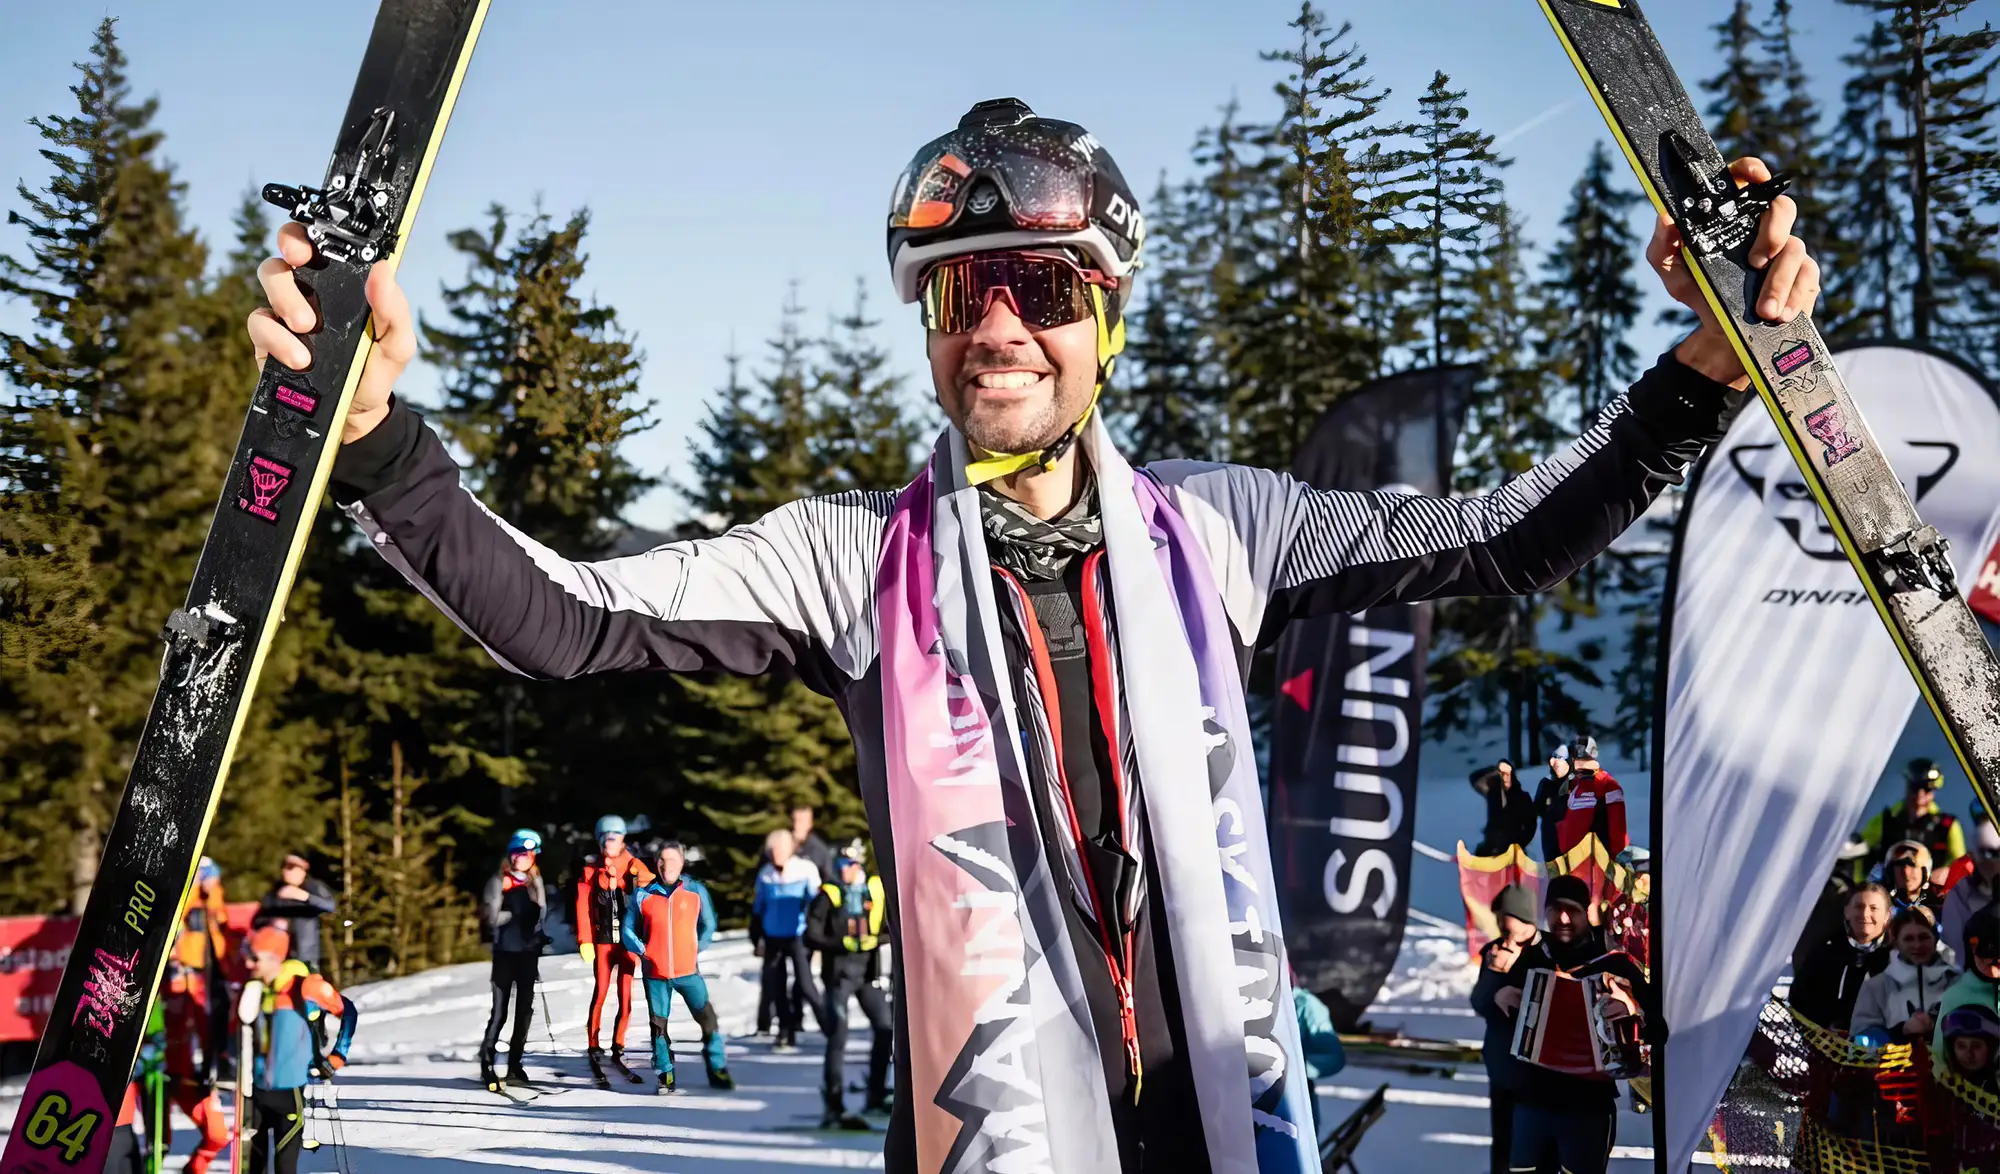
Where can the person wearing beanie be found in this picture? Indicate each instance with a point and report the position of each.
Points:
(1562, 1119)
(1548, 810)
(293, 998)
(1588, 802)
(512, 909)
(1900, 1005)
(1979, 986)
(1514, 913)
(1974, 890)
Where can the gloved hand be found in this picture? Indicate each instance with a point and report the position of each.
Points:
(589, 951)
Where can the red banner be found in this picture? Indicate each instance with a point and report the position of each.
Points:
(1985, 597)
(33, 952)
(1622, 895)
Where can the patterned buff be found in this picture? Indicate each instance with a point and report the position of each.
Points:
(1032, 548)
(1004, 1070)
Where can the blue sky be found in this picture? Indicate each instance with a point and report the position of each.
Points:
(728, 149)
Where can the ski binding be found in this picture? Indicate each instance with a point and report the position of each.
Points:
(351, 220)
(1715, 215)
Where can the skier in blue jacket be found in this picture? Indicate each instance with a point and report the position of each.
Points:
(785, 889)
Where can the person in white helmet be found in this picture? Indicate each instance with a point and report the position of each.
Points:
(1040, 650)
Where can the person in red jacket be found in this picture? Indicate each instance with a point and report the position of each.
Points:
(1590, 800)
(602, 893)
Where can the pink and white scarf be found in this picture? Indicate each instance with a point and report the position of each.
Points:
(1004, 1064)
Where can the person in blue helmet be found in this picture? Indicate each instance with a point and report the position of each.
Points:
(512, 909)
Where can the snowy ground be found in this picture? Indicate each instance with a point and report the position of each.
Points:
(409, 1100)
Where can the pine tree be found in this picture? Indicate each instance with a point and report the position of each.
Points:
(1589, 288)
(866, 436)
(1453, 194)
(1926, 155)
(1489, 666)
(1297, 340)
(1791, 140)
(540, 388)
(113, 462)
(1741, 112)
(1166, 409)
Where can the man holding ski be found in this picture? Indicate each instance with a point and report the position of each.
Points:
(1040, 649)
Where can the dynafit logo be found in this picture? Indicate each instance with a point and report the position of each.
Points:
(1770, 473)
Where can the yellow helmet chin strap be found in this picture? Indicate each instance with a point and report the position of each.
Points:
(1110, 342)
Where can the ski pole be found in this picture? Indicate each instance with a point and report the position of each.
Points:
(548, 1019)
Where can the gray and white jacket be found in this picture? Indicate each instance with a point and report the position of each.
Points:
(795, 588)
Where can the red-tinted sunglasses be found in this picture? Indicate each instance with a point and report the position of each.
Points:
(1044, 290)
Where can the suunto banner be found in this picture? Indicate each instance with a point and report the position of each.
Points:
(1783, 699)
(1350, 703)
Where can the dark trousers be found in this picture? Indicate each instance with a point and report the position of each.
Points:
(1503, 1127)
(279, 1117)
(1546, 1141)
(778, 952)
(124, 1156)
(514, 975)
(848, 978)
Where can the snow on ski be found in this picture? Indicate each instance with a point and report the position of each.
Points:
(1901, 561)
(388, 141)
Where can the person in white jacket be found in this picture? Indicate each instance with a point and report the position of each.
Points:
(1901, 1003)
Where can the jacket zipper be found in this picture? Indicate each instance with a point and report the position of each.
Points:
(1119, 968)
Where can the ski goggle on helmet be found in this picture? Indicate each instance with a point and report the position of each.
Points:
(1027, 208)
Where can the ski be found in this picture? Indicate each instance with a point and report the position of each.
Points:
(1901, 561)
(215, 646)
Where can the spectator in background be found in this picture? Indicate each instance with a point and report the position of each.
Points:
(199, 953)
(1916, 816)
(512, 908)
(1514, 911)
(1900, 1005)
(1588, 801)
(1547, 810)
(844, 924)
(785, 888)
(810, 845)
(1319, 1042)
(1829, 979)
(1972, 1046)
(1561, 1120)
(295, 904)
(1832, 904)
(1510, 811)
(1907, 876)
(1973, 893)
(1979, 986)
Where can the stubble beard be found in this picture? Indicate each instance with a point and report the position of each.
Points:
(1024, 428)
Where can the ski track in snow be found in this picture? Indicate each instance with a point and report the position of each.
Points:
(410, 1102)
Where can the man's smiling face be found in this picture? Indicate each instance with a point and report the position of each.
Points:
(1010, 389)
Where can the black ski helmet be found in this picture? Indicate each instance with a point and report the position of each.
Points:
(1008, 178)
(1923, 772)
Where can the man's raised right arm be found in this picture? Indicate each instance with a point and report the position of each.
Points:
(760, 595)
(785, 589)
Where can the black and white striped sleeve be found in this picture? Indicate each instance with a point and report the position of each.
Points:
(1282, 549)
(792, 588)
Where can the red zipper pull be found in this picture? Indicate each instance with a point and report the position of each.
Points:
(1128, 1024)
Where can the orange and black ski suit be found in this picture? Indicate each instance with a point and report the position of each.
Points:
(602, 894)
